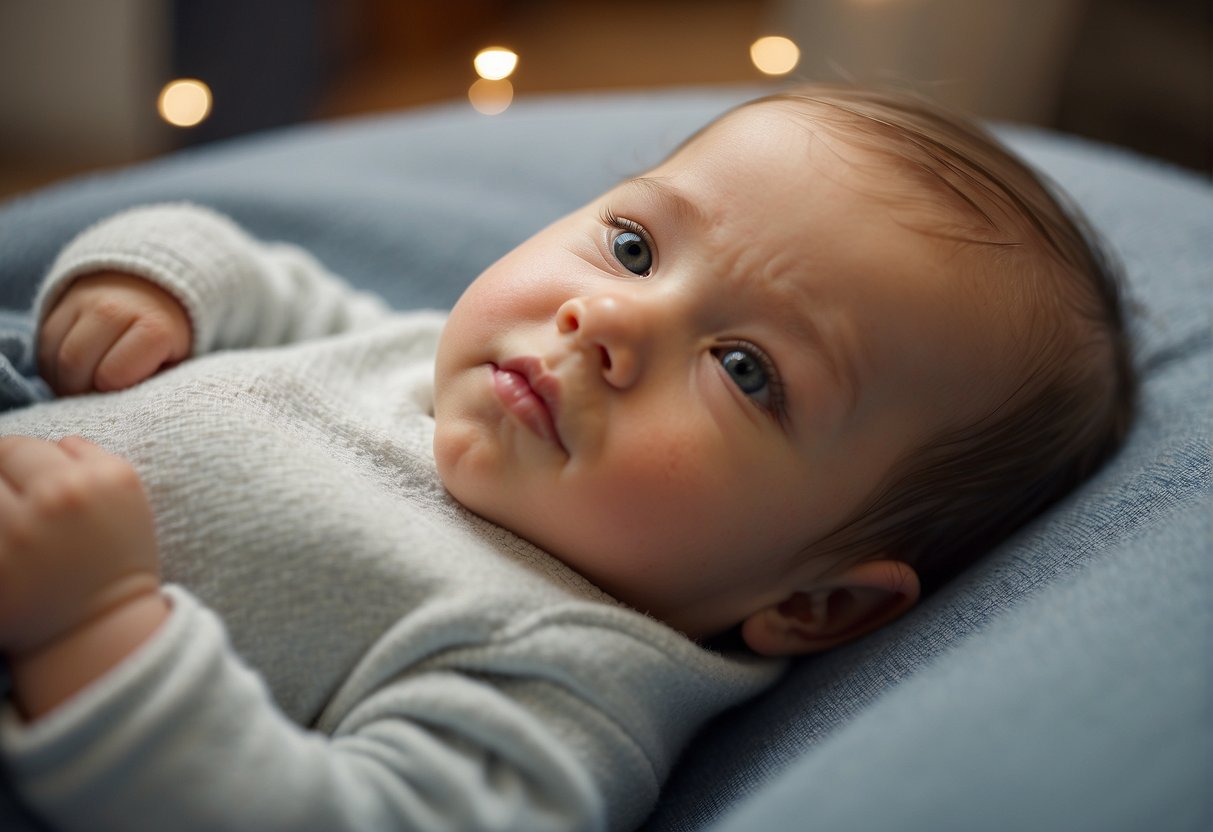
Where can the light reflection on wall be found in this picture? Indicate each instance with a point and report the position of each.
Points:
(495, 63)
(184, 102)
(774, 55)
(492, 93)
(491, 97)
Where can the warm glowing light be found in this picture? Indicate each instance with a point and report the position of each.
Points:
(184, 102)
(491, 97)
(774, 55)
(495, 63)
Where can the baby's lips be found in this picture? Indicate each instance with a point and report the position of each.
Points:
(531, 394)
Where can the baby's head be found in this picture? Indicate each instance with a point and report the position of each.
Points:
(833, 348)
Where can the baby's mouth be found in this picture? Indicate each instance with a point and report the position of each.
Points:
(530, 395)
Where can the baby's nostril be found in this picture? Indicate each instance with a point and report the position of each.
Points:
(567, 322)
(606, 358)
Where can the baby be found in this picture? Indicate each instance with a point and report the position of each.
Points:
(746, 405)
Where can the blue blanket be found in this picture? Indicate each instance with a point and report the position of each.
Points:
(19, 381)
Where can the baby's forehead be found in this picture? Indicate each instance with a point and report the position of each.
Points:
(773, 163)
(775, 152)
(942, 183)
(791, 169)
(797, 132)
(770, 166)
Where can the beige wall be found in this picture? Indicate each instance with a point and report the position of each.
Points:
(999, 58)
(79, 79)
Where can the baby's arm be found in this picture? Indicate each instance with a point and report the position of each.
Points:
(110, 331)
(229, 290)
(79, 582)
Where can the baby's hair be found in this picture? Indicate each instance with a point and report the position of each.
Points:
(972, 485)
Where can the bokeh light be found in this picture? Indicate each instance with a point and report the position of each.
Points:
(491, 97)
(184, 102)
(495, 63)
(774, 55)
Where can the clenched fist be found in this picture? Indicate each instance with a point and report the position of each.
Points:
(77, 539)
(111, 331)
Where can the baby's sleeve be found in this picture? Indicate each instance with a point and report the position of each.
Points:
(184, 736)
(237, 290)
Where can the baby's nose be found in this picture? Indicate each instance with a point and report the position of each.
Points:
(611, 327)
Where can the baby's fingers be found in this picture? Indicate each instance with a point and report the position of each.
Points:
(24, 459)
(79, 448)
(50, 337)
(147, 345)
(8, 494)
(82, 348)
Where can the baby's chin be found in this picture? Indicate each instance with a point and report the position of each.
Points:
(454, 456)
(467, 469)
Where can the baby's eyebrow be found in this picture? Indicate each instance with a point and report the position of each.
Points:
(670, 198)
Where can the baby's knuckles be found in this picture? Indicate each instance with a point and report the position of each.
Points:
(74, 358)
(157, 327)
(114, 310)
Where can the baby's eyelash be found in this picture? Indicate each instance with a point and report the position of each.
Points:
(608, 218)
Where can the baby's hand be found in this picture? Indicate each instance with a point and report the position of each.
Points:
(110, 331)
(77, 539)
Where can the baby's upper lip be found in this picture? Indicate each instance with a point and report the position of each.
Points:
(545, 385)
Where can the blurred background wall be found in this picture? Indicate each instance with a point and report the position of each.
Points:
(80, 80)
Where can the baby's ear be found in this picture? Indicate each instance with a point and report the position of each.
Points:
(833, 610)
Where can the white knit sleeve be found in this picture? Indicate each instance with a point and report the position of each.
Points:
(183, 736)
(238, 291)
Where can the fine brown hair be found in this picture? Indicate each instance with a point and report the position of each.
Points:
(1070, 405)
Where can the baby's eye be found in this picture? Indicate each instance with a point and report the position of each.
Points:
(633, 253)
(630, 244)
(745, 370)
(754, 373)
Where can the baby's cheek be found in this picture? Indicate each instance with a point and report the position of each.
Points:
(672, 462)
(660, 463)
(664, 483)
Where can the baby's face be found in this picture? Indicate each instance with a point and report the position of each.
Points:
(680, 386)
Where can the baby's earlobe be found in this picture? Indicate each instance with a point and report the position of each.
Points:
(768, 633)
